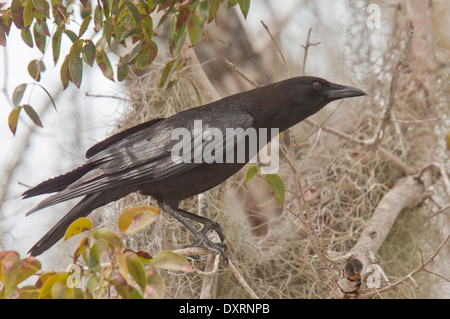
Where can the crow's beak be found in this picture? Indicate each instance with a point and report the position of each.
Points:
(340, 92)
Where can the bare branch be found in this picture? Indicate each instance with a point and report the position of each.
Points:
(233, 68)
(306, 47)
(276, 45)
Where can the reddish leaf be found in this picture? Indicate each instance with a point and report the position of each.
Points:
(311, 194)
(164, 5)
(184, 14)
(17, 13)
(10, 267)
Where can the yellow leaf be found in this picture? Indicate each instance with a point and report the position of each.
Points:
(78, 226)
(136, 218)
(47, 288)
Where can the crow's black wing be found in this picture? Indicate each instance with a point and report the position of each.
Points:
(146, 156)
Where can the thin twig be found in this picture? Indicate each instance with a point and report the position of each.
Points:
(233, 68)
(306, 47)
(276, 45)
(108, 97)
(241, 280)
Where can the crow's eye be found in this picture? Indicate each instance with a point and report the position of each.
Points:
(317, 86)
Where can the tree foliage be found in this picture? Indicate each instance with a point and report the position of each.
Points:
(124, 28)
(101, 265)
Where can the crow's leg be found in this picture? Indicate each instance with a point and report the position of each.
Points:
(207, 223)
(202, 240)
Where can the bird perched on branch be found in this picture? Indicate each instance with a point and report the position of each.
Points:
(147, 158)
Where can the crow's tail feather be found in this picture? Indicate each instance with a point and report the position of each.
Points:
(58, 183)
(82, 209)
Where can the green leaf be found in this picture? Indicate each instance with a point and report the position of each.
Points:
(213, 8)
(276, 187)
(10, 267)
(170, 260)
(136, 218)
(28, 292)
(40, 38)
(146, 55)
(110, 236)
(98, 18)
(27, 37)
(122, 72)
(89, 52)
(170, 67)
(134, 12)
(43, 7)
(13, 119)
(76, 48)
(123, 289)
(122, 263)
(28, 14)
(71, 35)
(64, 72)
(97, 250)
(155, 286)
(448, 140)
(32, 114)
(147, 27)
(195, 27)
(78, 226)
(136, 269)
(76, 70)
(18, 94)
(130, 56)
(252, 171)
(56, 45)
(197, 93)
(32, 70)
(103, 62)
(245, 6)
(107, 31)
(176, 35)
(84, 25)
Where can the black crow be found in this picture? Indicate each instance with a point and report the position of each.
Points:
(142, 158)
